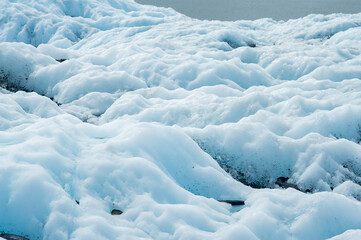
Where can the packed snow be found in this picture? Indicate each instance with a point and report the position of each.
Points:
(114, 105)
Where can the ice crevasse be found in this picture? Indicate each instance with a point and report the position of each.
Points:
(114, 105)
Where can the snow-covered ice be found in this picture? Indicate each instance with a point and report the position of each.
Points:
(113, 105)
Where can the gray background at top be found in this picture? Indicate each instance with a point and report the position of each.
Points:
(253, 9)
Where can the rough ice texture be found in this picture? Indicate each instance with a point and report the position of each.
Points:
(144, 110)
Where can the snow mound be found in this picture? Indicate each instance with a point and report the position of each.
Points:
(110, 105)
(348, 235)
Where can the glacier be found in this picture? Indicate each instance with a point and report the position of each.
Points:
(114, 105)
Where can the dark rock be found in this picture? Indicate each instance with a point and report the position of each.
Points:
(116, 212)
(282, 182)
(233, 202)
(61, 60)
(282, 179)
(77, 202)
(12, 237)
(252, 45)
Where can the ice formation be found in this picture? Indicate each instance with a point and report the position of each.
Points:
(113, 105)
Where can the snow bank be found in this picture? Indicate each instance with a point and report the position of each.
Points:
(349, 235)
(112, 105)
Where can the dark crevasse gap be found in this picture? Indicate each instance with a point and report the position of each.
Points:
(10, 82)
(9, 236)
(246, 174)
(234, 44)
(13, 84)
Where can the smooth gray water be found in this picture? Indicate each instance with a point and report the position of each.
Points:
(254, 9)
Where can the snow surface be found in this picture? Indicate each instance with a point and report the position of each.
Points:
(122, 106)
